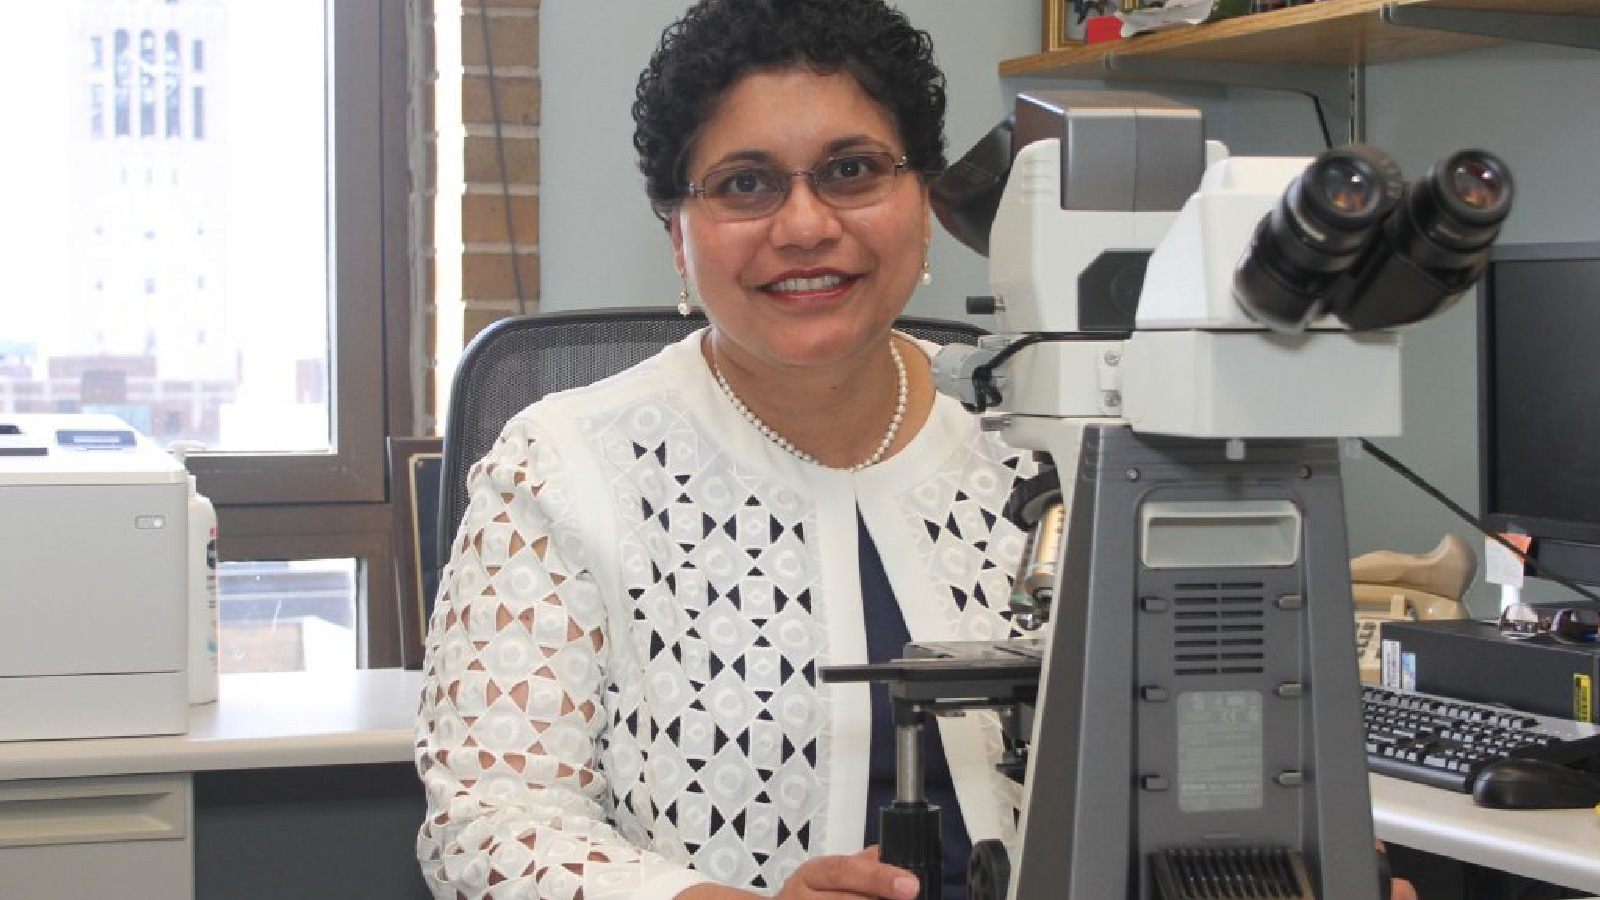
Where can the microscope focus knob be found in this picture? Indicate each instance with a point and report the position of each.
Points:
(988, 871)
(1031, 497)
(909, 837)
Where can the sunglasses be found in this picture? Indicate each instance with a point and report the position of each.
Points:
(1519, 621)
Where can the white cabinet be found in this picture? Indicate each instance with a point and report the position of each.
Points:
(126, 836)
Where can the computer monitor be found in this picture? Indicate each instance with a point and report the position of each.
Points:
(1539, 365)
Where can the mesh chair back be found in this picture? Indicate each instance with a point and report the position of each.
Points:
(518, 360)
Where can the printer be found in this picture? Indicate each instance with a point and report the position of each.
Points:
(93, 553)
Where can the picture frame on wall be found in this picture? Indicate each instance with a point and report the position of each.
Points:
(1065, 20)
(415, 467)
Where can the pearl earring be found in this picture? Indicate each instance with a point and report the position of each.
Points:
(684, 308)
(927, 275)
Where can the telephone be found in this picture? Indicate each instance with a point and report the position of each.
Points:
(1389, 586)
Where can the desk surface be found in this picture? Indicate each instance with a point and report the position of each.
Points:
(259, 721)
(318, 719)
(1560, 846)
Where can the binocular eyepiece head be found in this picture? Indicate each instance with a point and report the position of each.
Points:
(1350, 237)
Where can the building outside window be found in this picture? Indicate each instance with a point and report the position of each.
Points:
(197, 300)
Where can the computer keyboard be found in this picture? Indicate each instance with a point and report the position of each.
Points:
(1445, 742)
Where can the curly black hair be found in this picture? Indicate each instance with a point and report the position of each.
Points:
(717, 42)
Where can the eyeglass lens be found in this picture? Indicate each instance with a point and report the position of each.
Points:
(1573, 625)
(752, 191)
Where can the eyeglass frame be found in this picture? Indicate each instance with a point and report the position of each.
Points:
(901, 164)
(1556, 624)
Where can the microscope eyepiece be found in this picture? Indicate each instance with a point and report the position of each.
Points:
(1316, 232)
(1350, 238)
(1349, 189)
(1433, 248)
(1479, 181)
(1455, 210)
(1346, 187)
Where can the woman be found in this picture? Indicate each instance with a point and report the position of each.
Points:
(622, 694)
(622, 691)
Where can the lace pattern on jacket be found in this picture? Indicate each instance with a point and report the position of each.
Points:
(577, 742)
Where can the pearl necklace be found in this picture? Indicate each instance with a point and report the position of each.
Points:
(783, 442)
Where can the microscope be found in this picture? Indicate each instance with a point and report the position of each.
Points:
(1190, 343)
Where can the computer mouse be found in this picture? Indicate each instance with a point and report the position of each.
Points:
(1534, 784)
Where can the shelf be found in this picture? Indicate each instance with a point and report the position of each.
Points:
(1335, 33)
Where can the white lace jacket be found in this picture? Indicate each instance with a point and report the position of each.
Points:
(622, 695)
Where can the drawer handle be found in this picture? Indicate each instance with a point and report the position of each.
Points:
(36, 814)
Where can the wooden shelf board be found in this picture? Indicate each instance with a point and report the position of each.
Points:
(1332, 32)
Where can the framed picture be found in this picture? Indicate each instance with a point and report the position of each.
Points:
(415, 466)
(1064, 20)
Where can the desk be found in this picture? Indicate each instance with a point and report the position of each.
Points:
(1558, 846)
(294, 776)
(300, 721)
(275, 720)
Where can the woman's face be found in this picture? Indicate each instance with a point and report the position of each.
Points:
(807, 285)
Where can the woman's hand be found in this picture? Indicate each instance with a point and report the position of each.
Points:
(1399, 888)
(859, 875)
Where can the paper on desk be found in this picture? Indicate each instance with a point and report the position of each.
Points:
(1170, 15)
(1501, 566)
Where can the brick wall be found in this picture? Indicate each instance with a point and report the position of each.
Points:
(481, 237)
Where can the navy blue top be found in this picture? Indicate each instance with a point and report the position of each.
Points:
(887, 636)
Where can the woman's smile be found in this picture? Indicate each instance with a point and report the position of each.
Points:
(818, 286)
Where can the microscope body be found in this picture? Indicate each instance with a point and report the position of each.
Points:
(1163, 345)
(1189, 344)
(1198, 714)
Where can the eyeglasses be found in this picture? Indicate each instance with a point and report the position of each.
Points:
(752, 191)
(1520, 621)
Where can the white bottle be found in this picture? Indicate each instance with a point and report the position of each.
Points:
(202, 581)
(201, 584)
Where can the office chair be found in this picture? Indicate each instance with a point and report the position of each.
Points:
(517, 360)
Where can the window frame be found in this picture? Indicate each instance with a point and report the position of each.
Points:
(336, 505)
(367, 227)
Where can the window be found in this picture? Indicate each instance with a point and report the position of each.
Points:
(287, 616)
(266, 214)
